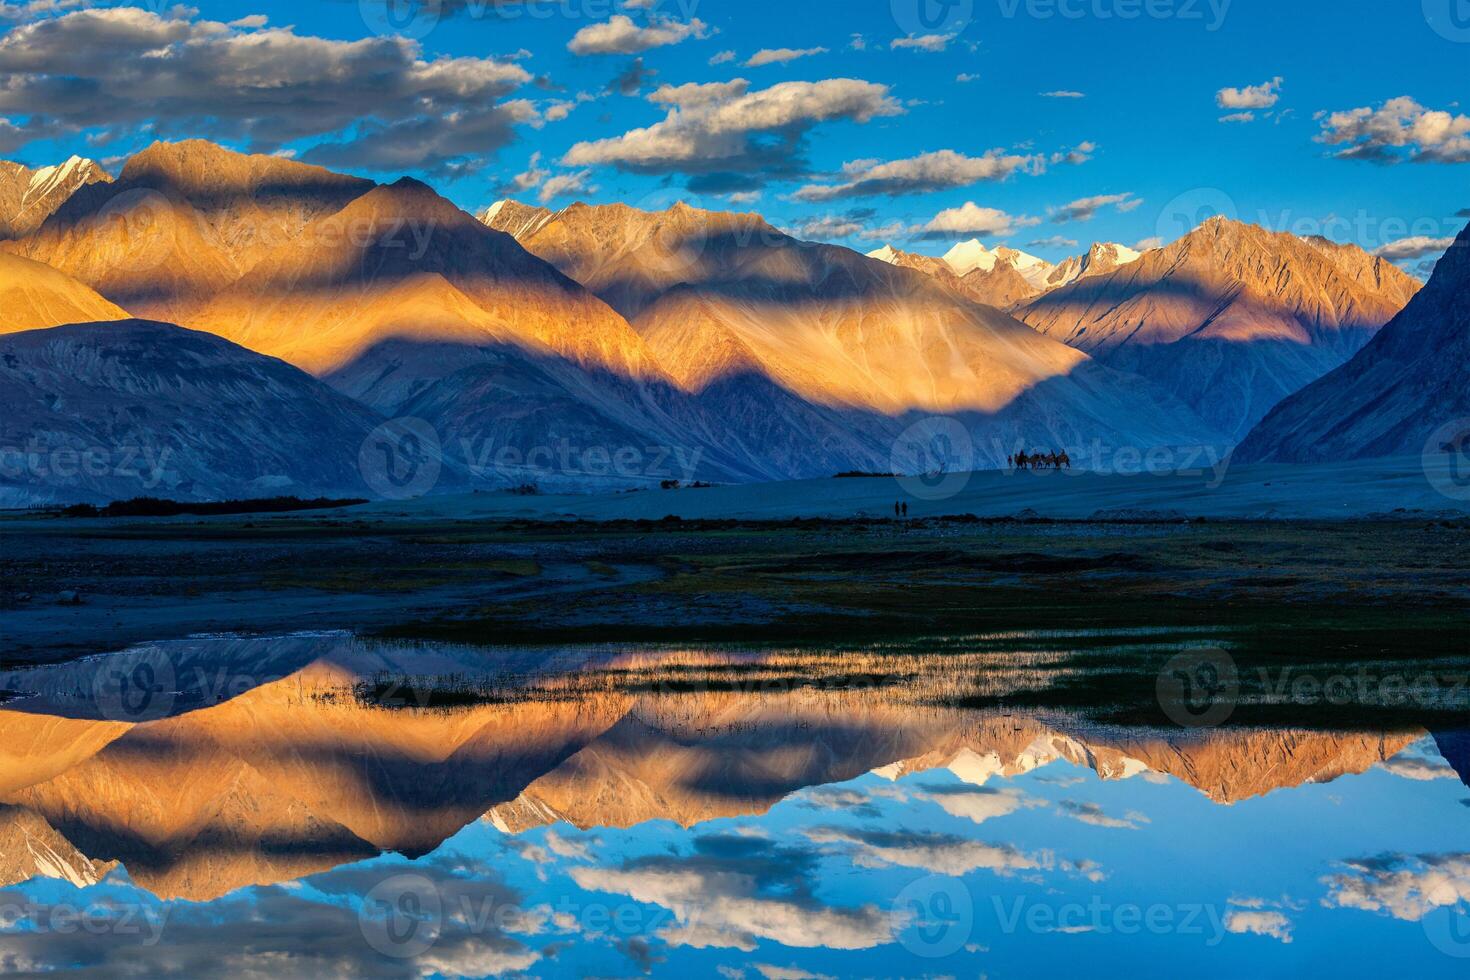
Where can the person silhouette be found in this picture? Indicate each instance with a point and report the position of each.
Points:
(905, 510)
(896, 510)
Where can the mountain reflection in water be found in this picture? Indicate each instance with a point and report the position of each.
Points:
(320, 805)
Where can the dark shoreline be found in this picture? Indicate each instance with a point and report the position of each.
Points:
(803, 580)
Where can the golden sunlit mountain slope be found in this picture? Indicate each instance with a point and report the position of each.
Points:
(182, 221)
(401, 261)
(719, 294)
(411, 306)
(1231, 318)
(34, 295)
(1001, 286)
(300, 262)
(723, 296)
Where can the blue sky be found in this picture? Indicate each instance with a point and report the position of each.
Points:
(470, 98)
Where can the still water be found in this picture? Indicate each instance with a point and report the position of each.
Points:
(325, 806)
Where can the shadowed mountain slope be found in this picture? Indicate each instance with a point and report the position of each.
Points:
(132, 408)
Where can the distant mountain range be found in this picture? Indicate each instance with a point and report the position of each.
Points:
(755, 355)
(1007, 278)
(1231, 318)
(725, 299)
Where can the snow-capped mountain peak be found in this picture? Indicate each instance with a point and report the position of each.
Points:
(69, 175)
(28, 197)
(887, 254)
(966, 257)
(1101, 258)
(516, 219)
(1034, 270)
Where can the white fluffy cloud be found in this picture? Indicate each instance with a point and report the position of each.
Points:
(568, 847)
(926, 172)
(1415, 247)
(971, 219)
(28, 9)
(1086, 208)
(1262, 96)
(1053, 241)
(119, 69)
(527, 179)
(1405, 886)
(980, 803)
(826, 228)
(771, 971)
(1417, 767)
(937, 853)
(724, 127)
(718, 905)
(1400, 129)
(1091, 813)
(922, 42)
(565, 185)
(1247, 100)
(1260, 923)
(471, 958)
(621, 35)
(777, 56)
